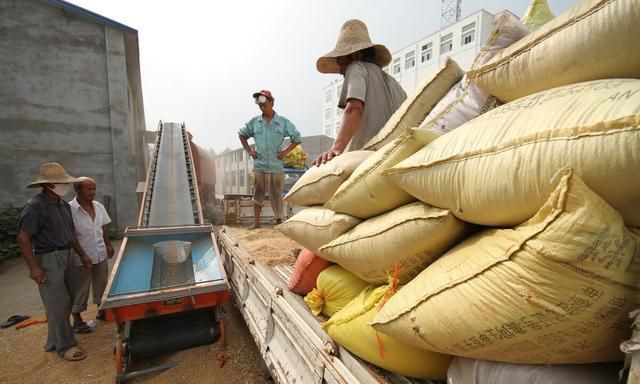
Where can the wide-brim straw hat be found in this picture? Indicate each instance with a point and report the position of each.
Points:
(53, 173)
(354, 36)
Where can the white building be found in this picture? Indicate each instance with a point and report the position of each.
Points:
(412, 64)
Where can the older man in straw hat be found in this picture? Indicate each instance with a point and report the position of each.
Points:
(369, 95)
(46, 238)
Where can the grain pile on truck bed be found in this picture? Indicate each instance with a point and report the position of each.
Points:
(267, 245)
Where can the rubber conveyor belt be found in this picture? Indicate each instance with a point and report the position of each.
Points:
(172, 202)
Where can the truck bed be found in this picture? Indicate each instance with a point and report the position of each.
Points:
(293, 345)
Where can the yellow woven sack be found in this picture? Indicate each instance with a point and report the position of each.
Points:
(415, 108)
(596, 39)
(336, 287)
(350, 328)
(555, 290)
(495, 169)
(410, 237)
(296, 158)
(315, 226)
(318, 184)
(367, 193)
(537, 14)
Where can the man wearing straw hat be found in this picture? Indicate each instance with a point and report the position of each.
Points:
(369, 95)
(46, 238)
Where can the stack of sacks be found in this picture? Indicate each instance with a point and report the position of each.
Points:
(318, 184)
(415, 108)
(537, 14)
(556, 289)
(305, 272)
(350, 328)
(597, 39)
(465, 371)
(495, 169)
(464, 101)
(408, 238)
(336, 287)
(367, 193)
(315, 226)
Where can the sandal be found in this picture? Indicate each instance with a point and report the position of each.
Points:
(15, 319)
(82, 328)
(74, 354)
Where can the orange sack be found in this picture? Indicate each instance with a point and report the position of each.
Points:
(305, 272)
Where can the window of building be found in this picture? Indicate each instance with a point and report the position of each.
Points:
(327, 130)
(339, 90)
(241, 155)
(327, 113)
(446, 43)
(410, 60)
(327, 96)
(396, 65)
(427, 52)
(468, 33)
(233, 178)
(241, 180)
(339, 111)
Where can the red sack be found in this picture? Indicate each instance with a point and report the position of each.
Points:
(305, 272)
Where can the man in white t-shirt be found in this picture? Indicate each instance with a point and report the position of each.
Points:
(92, 230)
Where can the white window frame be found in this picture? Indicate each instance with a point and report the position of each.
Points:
(410, 60)
(327, 113)
(468, 33)
(426, 53)
(328, 95)
(397, 68)
(446, 43)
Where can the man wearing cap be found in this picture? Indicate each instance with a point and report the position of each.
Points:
(91, 221)
(369, 95)
(268, 130)
(46, 239)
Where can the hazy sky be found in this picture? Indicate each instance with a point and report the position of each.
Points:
(202, 60)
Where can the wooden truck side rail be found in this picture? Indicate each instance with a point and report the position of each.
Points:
(290, 339)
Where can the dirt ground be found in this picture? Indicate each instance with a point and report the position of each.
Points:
(25, 362)
(267, 245)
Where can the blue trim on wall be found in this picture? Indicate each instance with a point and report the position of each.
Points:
(92, 15)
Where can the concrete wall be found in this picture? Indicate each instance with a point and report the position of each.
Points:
(70, 93)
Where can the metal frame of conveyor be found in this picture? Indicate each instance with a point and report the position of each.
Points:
(169, 270)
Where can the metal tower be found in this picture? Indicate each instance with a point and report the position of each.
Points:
(451, 12)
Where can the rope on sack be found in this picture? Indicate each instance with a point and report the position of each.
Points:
(393, 288)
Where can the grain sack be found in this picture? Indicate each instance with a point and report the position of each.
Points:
(315, 226)
(367, 193)
(495, 169)
(350, 328)
(409, 237)
(467, 371)
(596, 39)
(537, 14)
(556, 289)
(336, 287)
(305, 272)
(414, 109)
(465, 100)
(318, 184)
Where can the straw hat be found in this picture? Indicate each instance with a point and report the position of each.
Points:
(52, 173)
(353, 37)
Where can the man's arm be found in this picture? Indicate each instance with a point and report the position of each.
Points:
(351, 120)
(245, 144)
(26, 249)
(86, 261)
(107, 240)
